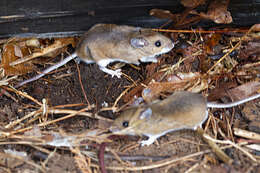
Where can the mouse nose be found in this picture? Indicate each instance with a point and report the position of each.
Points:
(172, 42)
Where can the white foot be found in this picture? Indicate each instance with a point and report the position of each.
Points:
(113, 73)
(149, 141)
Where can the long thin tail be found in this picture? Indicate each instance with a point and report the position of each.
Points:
(232, 104)
(51, 68)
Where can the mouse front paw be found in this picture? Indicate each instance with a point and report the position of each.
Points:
(117, 73)
(147, 142)
(150, 140)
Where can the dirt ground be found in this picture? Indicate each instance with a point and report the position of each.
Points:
(179, 151)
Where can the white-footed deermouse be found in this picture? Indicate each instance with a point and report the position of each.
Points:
(106, 43)
(182, 110)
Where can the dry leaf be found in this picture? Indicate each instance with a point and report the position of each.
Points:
(211, 42)
(192, 3)
(217, 12)
(245, 90)
(18, 52)
(34, 42)
(180, 81)
(162, 14)
(256, 27)
(12, 52)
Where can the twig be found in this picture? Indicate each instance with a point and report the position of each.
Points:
(24, 95)
(13, 123)
(4, 155)
(215, 148)
(192, 168)
(62, 118)
(231, 50)
(63, 111)
(199, 31)
(251, 65)
(81, 85)
(49, 157)
(163, 162)
(81, 160)
(120, 96)
(233, 144)
(101, 157)
(7, 94)
(56, 45)
(6, 80)
(246, 134)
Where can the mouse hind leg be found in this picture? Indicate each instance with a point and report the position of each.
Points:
(102, 66)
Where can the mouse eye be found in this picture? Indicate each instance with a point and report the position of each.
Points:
(158, 43)
(125, 124)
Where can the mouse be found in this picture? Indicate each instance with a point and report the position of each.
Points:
(107, 43)
(181, 110)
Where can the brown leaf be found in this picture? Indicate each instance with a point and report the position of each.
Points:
(211, 42)
(220, 90)
(256, 27)
(10, 53)
(250, 50)
(217, 12)
(162, 14)
(18, 52)
(245, 90)
(180, 81)
(192, 3)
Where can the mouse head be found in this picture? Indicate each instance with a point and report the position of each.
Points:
(130, 121)
(150, 44)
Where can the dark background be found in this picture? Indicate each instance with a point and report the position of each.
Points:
(59, 18)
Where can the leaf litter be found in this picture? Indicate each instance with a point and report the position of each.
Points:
(60, 122)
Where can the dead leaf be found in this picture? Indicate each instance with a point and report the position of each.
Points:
(161, 14)
(245, 90)
(18, 52)
(217, 12)
(256, 27)
(192, 3)
(9, 55)
(180, 81)
(250, 50)
(34, 42)
(211, 42)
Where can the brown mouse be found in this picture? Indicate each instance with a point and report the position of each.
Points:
(106, 43)
(181, 110)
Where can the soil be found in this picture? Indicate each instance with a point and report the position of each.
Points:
(62, 87)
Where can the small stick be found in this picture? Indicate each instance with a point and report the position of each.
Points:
(246, 134)
(81, 85)
(4, 155)
(233, 144)
(215, 148)
(199, 31)
(101, 157)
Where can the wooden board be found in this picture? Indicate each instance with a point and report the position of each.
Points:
(59, 18)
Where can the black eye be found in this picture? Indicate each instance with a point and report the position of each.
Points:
(158, 43)
(125, 123)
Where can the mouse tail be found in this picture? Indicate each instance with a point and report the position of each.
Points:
(232, 104)
(51, 68)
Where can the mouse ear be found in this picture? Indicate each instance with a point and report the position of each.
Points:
(139, 42)
(146, 114)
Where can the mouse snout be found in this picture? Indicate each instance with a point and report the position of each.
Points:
(168, 48)
(172, 43)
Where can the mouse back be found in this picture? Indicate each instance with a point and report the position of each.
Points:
(122, 43)
(182, 110)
